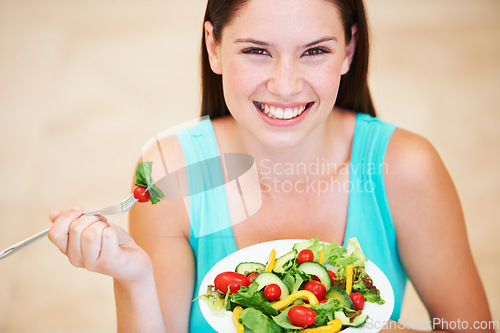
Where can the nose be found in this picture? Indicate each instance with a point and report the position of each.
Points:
(286, 78)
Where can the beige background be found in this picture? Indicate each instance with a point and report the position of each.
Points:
(83, 84)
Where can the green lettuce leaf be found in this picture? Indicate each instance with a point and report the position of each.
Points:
(324, 311)
(372, 295)
(251, 297)
(354, 250)
(258, 322)
(214, 298)
(333, 252)
(144, 177)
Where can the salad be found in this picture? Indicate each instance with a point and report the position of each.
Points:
(145, 189)
(315, 287)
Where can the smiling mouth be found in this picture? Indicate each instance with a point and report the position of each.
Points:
(282, 113)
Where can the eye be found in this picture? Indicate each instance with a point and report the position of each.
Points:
(255, 50)
(315, 51)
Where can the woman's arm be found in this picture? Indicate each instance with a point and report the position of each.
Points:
(163, 231)
(137, 306)
(431, 232)
(90, 242)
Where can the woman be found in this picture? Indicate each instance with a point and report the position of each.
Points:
(285, 82)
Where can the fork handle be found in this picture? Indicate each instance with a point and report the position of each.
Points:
(28, 241)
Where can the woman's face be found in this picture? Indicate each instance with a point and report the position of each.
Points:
(281, 63)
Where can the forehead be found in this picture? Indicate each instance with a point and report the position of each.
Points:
(285, 19)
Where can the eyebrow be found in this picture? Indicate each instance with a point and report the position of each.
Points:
(262, 43)
(252, 41)
(321, 40)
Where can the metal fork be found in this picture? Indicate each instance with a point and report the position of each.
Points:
(113, 210)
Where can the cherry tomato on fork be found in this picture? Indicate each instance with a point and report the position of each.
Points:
(231, 281)
(141, 194)
(272, 292)
(305, 255)
(302, 316)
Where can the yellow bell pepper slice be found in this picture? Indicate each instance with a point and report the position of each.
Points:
(333, 326)
(348, 279)
(321, 258)
(336, 323)
(236, 316)
(304, 294)
(271, 261)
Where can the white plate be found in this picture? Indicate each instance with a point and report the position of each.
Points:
(222, 323)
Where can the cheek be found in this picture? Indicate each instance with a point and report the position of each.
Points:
(325, 81)
(240, 81)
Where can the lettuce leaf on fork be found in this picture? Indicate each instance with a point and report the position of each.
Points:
(144, 177)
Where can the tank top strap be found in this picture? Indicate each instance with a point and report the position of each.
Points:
(369, 216)
(211, 237)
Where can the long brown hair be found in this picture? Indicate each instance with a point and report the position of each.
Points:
(353, 94)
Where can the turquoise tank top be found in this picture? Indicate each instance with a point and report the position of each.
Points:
(369, 218)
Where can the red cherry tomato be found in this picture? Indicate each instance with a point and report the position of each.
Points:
(302, 316)
(358, 300)
(141, 194)
(323, 301)
(272, 292)
(305, 255)
(317, 288)
(251, 277)
(231, 280)
(332, 275)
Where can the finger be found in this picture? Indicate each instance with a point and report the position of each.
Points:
(58, 233)
(123, 236)
(91, 243)
(76, 228)
(53, 215)
(110, 246)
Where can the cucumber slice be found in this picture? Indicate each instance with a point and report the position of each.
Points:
(340, 295)
(320, 271)
(246, 268)
(263, 279)
(358, 321)
(284, 262)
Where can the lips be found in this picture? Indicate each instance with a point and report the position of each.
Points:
(278, 112)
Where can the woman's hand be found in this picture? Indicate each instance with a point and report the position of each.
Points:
(90, 242)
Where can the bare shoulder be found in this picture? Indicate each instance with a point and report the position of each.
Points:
(428, 219)
(169, 217)
(411, 157)
(417, 179)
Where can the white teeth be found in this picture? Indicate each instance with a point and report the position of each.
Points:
(279, 113)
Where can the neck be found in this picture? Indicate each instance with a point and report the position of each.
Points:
(321, 149)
